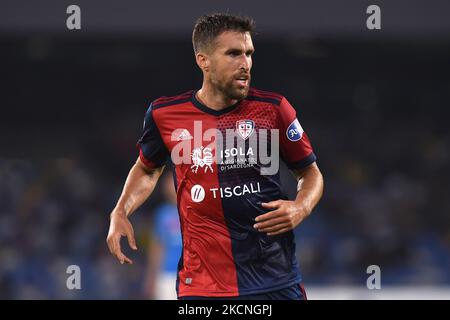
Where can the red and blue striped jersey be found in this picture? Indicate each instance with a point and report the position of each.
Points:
(220, 187)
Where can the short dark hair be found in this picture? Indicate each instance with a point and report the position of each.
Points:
(208, 27)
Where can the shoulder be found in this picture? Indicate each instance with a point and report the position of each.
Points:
(264, 96)
(166, 101)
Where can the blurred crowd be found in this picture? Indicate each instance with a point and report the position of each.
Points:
(376, 114)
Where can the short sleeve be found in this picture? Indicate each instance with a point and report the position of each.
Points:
(152, 151)
(295, 146)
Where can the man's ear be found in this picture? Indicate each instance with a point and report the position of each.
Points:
(202, 61)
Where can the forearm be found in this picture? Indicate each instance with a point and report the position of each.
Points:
(309, 187)
(285, 215)
(138, 187)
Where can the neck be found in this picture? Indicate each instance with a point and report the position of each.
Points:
(213, 98)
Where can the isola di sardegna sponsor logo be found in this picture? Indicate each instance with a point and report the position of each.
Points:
(230, 148)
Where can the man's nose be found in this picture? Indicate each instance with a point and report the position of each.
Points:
(246, 63)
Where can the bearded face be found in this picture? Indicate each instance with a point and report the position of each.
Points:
(230, 64)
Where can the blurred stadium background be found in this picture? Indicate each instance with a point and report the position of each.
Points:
(375, 104)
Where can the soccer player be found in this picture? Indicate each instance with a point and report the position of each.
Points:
(236, 222)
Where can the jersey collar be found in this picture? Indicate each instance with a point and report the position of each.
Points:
(208, 110)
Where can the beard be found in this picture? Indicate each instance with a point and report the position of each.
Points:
(232, 90)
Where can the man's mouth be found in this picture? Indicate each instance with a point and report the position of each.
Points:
(243, 80)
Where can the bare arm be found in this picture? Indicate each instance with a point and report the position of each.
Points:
(309, 186)
(138, 187)
(286, 215)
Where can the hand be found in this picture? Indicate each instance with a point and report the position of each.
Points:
(120, 226)
(285, 216)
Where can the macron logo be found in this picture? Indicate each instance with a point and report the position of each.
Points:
(197, 193)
